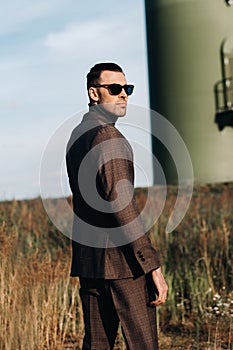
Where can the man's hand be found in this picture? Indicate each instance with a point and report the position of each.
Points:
(161, 287)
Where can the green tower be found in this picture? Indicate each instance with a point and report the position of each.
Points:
(190, 60)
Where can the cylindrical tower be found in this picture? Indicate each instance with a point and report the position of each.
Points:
(189, 58)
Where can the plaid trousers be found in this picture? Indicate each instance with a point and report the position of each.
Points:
(107, 302)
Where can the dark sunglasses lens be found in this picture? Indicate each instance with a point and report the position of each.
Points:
(129, 89)
(115, 89)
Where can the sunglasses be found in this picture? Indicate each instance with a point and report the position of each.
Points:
(115, 89)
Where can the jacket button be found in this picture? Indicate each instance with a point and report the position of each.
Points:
(143, 259)
(139, 252)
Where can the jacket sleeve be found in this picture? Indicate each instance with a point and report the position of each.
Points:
(115, 183)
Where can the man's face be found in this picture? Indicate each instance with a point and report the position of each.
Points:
(111, 103)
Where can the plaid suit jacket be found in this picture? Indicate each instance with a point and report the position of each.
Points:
(108, 235)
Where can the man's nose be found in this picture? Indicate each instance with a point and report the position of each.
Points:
(123, 94)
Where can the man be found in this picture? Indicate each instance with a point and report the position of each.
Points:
(118, 268)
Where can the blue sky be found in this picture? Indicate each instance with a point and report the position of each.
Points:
(47, 48)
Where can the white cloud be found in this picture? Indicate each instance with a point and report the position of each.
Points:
(96, 37)
(74, 36)
(14, 15)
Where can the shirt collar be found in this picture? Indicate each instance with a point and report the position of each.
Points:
(98, 113)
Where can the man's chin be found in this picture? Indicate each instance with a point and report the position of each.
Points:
(121, 112)
(121, 115)
(118, 111)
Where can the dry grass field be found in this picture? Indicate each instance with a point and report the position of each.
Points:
(39, 302)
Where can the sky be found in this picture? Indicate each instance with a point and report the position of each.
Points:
(47, 48)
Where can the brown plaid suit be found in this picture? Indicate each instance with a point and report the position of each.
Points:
(111, 254)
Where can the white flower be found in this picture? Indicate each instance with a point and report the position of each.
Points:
(216, 296)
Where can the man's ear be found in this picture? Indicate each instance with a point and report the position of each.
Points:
(93, 93)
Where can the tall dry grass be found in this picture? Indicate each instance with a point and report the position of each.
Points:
(197, 260)
(38, 308)
(39, 302)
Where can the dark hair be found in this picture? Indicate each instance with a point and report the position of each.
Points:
(94, 74)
